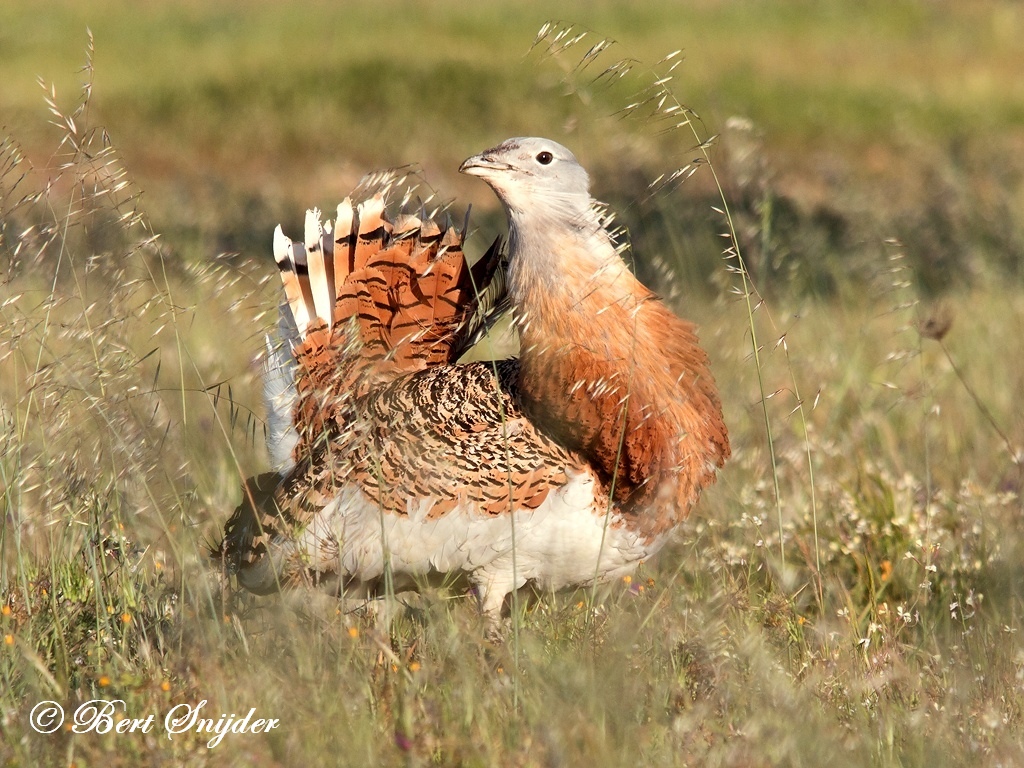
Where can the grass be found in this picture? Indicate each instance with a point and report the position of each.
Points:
(128, 391)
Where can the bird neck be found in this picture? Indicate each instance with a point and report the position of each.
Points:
(609, 371)
(557, 259)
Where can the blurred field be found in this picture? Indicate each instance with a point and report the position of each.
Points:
(849, 592)
(233, 114)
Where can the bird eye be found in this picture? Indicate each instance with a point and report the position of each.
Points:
(545, 158)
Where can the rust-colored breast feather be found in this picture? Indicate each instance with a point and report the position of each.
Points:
(601, 416)
(632, 392)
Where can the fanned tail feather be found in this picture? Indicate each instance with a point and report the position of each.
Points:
(372, 295)
(367, 297)
(279, 399)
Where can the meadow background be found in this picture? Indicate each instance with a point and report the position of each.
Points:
(850, 591)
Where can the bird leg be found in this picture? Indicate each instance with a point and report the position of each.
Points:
(491, 590)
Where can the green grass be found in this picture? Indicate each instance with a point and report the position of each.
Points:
(129, 393)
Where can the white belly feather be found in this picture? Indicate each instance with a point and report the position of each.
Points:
(564, 542)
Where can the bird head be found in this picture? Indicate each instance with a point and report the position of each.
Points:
(535, 177)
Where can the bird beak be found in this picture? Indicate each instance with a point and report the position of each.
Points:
(482, 165)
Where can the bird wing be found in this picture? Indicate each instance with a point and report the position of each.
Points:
(446, 440)
(449, 437)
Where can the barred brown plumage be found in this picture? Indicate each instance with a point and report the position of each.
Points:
(589, 450)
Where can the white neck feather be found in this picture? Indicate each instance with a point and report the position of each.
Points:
(559, 237)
